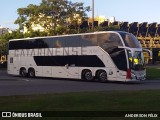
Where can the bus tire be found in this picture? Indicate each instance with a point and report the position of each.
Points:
(87, 75)
(102, 76)
(31, 72)
(23, 72)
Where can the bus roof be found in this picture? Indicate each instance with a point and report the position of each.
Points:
(66, 35)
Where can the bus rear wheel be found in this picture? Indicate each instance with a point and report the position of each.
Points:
(23, 72)
(31, 73)
(102, 76)
(87, 75)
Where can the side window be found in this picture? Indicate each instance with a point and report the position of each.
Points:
(119, 57)
(102, 38)
(23, 44)
(73, 41)
(59, 42)
(89, 40)
(33, 44)
(109, 38)
(26, 46)
(49, 42)
(114, 38)
(12, 45)
(11, 60)
(130, 40)
(40, 43)
(36, 43)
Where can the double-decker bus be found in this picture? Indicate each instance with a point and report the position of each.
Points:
(105, 56)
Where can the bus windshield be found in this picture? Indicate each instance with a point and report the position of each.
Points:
(136, 61)
(130, 40)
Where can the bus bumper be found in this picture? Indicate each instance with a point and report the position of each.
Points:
(138, 78)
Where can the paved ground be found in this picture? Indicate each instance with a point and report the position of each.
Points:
(10, 85)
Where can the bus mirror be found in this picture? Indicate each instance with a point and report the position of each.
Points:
(150, 53)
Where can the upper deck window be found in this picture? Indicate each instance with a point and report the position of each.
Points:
(108, 40)
(130, 40)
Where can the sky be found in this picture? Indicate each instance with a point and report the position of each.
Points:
(122, 10)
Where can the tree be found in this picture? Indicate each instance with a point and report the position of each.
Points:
(3, 46)
(26, 15)
(77, 14)
(52, 15)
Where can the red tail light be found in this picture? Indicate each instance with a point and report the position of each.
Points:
(128, 74)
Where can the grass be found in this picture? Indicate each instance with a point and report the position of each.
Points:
(153, 73)
(90, 101)
(99, 101)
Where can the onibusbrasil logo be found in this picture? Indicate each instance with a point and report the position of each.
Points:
(21, 114)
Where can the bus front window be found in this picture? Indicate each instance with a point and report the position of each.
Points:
(130, 40)
(136, 61)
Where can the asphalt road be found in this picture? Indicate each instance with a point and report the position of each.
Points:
(11, 85)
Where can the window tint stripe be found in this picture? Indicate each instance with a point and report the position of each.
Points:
(73, 61)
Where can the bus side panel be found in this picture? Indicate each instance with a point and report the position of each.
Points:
(59, 72)
(30, 63)
(63, 72)
(47, 71)
(110, 67)
(9, 64)
(73, 72)
(23, 61)
(13, 65)
(121, 75)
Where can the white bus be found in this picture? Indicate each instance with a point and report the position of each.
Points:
(105, 56)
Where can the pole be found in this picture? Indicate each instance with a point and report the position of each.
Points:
(92, 15)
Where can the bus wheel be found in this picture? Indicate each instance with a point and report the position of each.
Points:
(87, 75)
(102, 76)
(23, 72)
(31, 72)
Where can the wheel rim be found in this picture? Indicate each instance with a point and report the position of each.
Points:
(31, 73)
(23, 73)
(88, 76)
(103, 76)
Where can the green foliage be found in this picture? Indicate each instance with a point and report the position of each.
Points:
(52, 15)
(5, 38)
(35, 34)
(3, 46)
